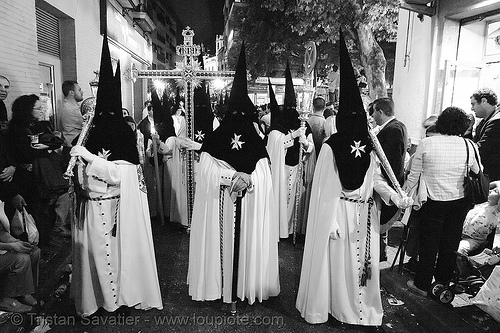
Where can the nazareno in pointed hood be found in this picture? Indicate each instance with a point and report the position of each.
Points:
(164, 124)
(288, 119)
(236, 141)
(110, 132)
(351, 145)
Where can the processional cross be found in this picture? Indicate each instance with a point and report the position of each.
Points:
(188, 73)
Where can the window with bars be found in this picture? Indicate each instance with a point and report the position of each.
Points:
(47, 31)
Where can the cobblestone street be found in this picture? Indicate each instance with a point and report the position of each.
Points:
(403, 310)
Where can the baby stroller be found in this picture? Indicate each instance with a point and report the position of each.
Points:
(470, 275)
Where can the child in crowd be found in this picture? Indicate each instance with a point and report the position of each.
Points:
(479, 223)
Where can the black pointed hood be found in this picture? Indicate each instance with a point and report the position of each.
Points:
(290, 99)
(273, 105)
(110, 132)
(164, 123)
(118, 84)
(236, 141)
(351, 144)
(288, 119)
(238, 99)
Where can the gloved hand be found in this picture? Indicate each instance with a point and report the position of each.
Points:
(301, 131)
(493, 260)
(336, 232)
(189, 144)
(241, 181)
(402, 202)
(303, 140)
(80, 151)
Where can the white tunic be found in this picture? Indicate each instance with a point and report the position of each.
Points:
(178, 172)
(258, 261)
(111, 271)
(285, 180)
(331, 269)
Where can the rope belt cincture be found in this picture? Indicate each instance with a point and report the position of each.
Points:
(367, 270)
(113, 231)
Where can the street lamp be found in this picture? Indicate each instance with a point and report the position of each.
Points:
(160, 87)
(94, 84)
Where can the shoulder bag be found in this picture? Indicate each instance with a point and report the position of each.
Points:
(476, 185)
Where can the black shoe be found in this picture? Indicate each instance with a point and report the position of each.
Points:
(414, 288)
(410, 266)
(62, 232)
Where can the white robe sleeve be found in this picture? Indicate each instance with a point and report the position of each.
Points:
(276, 150)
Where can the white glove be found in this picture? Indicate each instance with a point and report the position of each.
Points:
(402, 202)
(336, 232)
(303, 140)
(80, 151)
(301, 131)
(189, 144)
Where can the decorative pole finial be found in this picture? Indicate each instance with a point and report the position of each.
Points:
(188, 34)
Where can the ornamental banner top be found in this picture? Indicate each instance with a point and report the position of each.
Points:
(188, 49)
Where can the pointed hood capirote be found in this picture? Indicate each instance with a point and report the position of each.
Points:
(238, 99)
(236, 141)
(290, 99)
(118, 84)
(273, 105)
(110, 132)
(288, 120)
(351, 145)
(164, 125)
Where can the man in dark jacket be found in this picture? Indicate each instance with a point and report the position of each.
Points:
(487, 135)
(393, 136)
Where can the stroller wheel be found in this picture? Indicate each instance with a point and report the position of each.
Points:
(446, 296)
(437, 288)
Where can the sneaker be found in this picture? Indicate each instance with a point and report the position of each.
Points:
(28, 300)
(13, 305)
(414, 288)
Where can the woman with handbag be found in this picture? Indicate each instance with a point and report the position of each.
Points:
(39, 174)
(443, 162)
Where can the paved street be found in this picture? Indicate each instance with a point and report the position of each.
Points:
(403, 310)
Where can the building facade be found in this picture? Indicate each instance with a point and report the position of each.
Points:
(444, 52)
(45, 42)
(163, 37)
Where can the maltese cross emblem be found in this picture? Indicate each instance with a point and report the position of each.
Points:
(357, 149)
(236, 143)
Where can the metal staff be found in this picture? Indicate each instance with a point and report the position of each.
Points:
(236, 254)
(300, 171)
(305, 110)
(157, 176)
(385, 162)
(88, 111)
